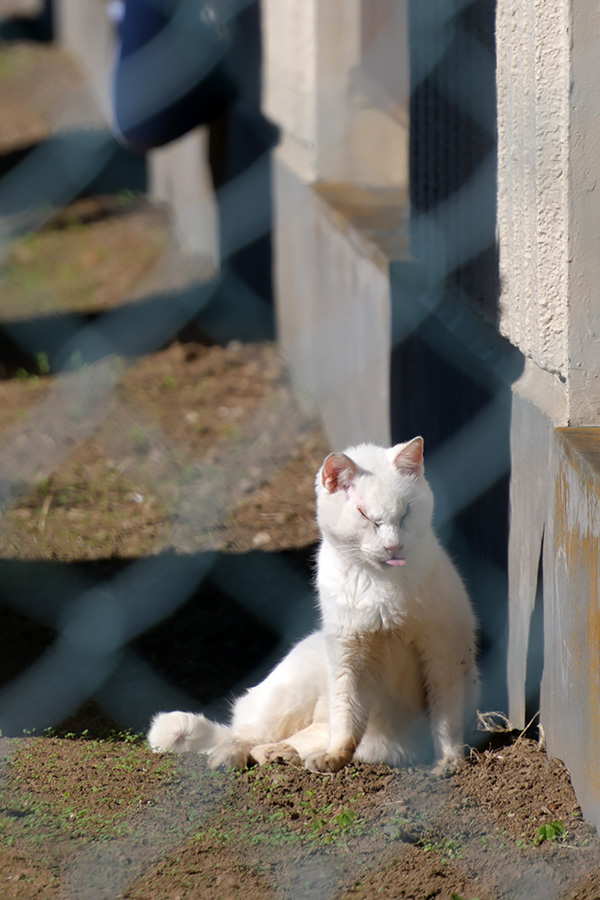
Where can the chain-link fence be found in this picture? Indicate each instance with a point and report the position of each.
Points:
(451, 376)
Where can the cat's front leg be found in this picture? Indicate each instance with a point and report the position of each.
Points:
(348, 707)
(445, 680)
(331, 760)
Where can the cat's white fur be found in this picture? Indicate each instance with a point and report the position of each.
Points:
(397, 637)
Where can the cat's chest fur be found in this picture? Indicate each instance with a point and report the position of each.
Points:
(354, 598)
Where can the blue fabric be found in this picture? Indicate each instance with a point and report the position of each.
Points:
(173, 70)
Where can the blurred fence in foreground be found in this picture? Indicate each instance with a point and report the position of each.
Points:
(389, 304)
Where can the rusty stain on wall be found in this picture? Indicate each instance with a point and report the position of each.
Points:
(571, 687)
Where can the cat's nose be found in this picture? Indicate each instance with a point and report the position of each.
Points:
(395, 557)
(393, 547)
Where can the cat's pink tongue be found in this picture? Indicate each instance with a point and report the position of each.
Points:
(396, 562)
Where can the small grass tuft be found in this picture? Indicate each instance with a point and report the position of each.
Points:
(550, 831)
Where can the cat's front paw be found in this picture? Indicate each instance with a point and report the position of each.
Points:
(325, 761)
(281, 752)
(448, 765)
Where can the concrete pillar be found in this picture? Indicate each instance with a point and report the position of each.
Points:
(583, 377)
(180, 178)
(179, 173)
(83, 28)
(570, 696)
(548, 222)
(336, 83)
(548, 214)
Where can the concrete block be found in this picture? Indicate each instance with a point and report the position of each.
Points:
(548, 214)
(180, 178)
(333, 246)
(85, 29)
(531, 448)
(289, 69)
(25, 8)
(533, 50)
(555, 500)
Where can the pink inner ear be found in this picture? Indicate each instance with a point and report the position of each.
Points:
(410, 458)
(338, 472)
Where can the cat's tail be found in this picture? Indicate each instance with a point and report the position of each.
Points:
(183, 732)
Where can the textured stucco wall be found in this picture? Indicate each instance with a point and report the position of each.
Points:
(533, 118)
(548, 209)
(584, 206)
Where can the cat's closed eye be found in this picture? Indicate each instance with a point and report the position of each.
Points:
(405, 516)
(368, 518)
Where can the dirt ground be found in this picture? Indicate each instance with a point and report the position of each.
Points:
(156, 542)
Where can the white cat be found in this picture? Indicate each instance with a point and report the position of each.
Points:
(397, 636)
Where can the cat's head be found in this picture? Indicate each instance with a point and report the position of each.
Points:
(375, 504)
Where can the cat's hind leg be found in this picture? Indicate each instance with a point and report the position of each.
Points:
(287, 701)
(230, 754)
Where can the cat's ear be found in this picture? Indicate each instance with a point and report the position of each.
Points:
(338, 472)
(408, 458)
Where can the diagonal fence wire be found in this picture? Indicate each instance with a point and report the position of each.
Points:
(95, 627)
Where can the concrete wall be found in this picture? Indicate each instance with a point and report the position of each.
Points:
(333, 252)
(290, 75)
(342, 158)
(584, 215)
(533, 74)
(555, 563)
(336, 82)
(570, 701)
(180, 178)
(85, 30)
(548, 222)
(548, 213)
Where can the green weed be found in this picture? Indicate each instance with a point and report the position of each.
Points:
(140, 439)
(447, 848)
(168, 382)
(551, 831)
(325, 824)
(43, 486)
(42, 363)
(495, 841)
